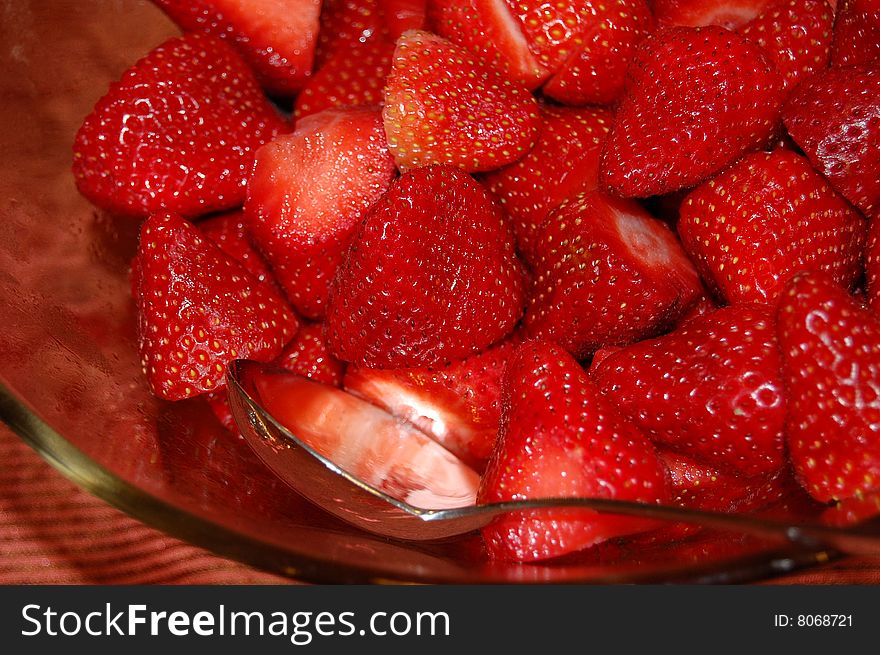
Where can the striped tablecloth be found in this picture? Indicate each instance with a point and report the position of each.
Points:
(53, 532)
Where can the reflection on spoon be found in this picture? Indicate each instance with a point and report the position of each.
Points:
(367, 502)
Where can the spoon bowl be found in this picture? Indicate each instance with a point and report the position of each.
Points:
(358, 503)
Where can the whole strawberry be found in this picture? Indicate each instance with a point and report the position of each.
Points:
(177, 132)
(856, 33)
(835, 118)
(831, 358)
(443, 106)
(796, 34)
(606, 272)
(431, 275)
(696, 100)
(872, 266)
(710, 390)
(764, 219)
(559, 437)
(198, 309)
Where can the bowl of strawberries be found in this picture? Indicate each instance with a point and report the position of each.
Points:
(486, 253)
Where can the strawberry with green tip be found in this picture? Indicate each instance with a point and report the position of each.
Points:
(177, 132)
(198, 309)
(830, 348)
(559, 438)
(443, 106)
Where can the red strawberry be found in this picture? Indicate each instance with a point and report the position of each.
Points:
(308, 355)
(177, 133)
(699, 486)
(831, 359)
(696, 100)
(276, 37)
(443, 106)
(458, 405)
(856, 33)
(607, 273)
(308, 192)
(564, 161)
(345, 23)
(229, 232)
(489, 30)
(711, 389)
(797, 36)
(400, 16)
(559, 437)
(431, 275)
(596, 70)
(350, 78)
(872, 266)
(835, 119)
(366, 442)
(198, 309)
(763, 220)
(731, 14)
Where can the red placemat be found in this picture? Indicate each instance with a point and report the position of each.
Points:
(52, 532)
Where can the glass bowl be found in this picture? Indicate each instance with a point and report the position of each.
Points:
(70, 378)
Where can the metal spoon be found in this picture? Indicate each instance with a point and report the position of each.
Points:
(326, 485)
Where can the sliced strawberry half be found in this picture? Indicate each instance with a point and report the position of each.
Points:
(308, 193)
(230, 233)
(458, 405)
(443, 106)
(431, 275)
(831, 359)
(764, 219)
(595, 72)
(564, 162)
(344, 24)
(696, 100)
(489, 29)
(607, 273)
(559, 438)
(856, 33)
(796, 34)
(177, 132)
(367, 442)
(276, 37)
(198, 309)
(308, 355)
(835, 118)
(731, 14)
(872, 266)
(352, 77)
(710, 390)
